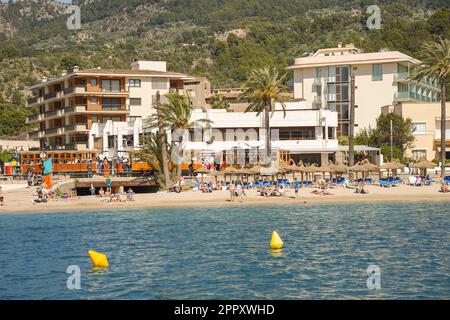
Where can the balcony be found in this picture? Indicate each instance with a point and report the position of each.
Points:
(76, 146)
(114, 108)
(50, 95)
(401, 76)
(78, 89)
(411, 96)
(75, 109)
(35, 135)
(54, 132)
(34, 118)
(77, 127)
(34, 101)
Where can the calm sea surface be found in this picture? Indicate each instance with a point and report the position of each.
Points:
(222, 253)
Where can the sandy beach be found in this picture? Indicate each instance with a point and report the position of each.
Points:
(21, 200)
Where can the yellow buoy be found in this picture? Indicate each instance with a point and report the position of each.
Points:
(98, 259)
(276, 242)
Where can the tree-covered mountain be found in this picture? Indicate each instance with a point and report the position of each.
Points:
(190, 34)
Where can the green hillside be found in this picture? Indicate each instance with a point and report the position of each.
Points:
(34, 40)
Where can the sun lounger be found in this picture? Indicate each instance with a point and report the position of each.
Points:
(384, 183)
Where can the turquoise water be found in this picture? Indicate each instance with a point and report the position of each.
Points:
(222, 253)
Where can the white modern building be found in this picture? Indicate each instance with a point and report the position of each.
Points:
(381, 78)
(304, 133)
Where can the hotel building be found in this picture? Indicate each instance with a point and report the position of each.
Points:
(98, 109)
(303, 134)
(426, 119)
(381, 78)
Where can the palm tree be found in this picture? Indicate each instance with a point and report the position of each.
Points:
(155, 122)
(176, 114)
(436, 64)
(219, 101)
(264, 88)
(153, 150)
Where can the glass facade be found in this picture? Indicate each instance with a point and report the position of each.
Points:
(338, 96)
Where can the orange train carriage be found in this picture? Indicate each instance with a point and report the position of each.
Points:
(76, 162)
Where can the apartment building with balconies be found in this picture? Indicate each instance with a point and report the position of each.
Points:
(71, 108)
(381, 78)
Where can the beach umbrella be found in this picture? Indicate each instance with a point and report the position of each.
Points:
(202, 171)
(370, 166)
(340, 168)
(393, 165)
(293, 168)
(256, 169)
(215, 174)
(424, 165)
(229, 171)
(359, 168)
(310, 170)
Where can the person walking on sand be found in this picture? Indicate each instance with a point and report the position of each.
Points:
(108, 184)
(296, 187)
(92, 189)
(232, 191)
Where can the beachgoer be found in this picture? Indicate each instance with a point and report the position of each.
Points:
(296, 187)
(101, 193)
(30, 178)
(130, 195)
(444, 188)
(108, 183)
(89, 168)
(92, 189)
(2, 199)
(232, 191)
(182, 184)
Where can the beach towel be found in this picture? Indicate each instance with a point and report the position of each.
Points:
(48, 166)
(47, 181)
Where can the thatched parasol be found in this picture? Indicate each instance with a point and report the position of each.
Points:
(202, 171)
(230, 170)
(256, 170)
(370, 166)
(340, 168)
(215, 174)
(424, 164)
(394, 165)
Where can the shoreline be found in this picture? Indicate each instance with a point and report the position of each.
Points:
(20, 201)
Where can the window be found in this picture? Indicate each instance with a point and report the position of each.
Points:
(94, 100)
(419, 127)
(111, 104)
(94, 119)
(136, 83)
(300, 133)
(93, 82)
(419, 154)
(111, 85)
(318, 73)
(133, 119)
(135, 102)
(377, 72)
